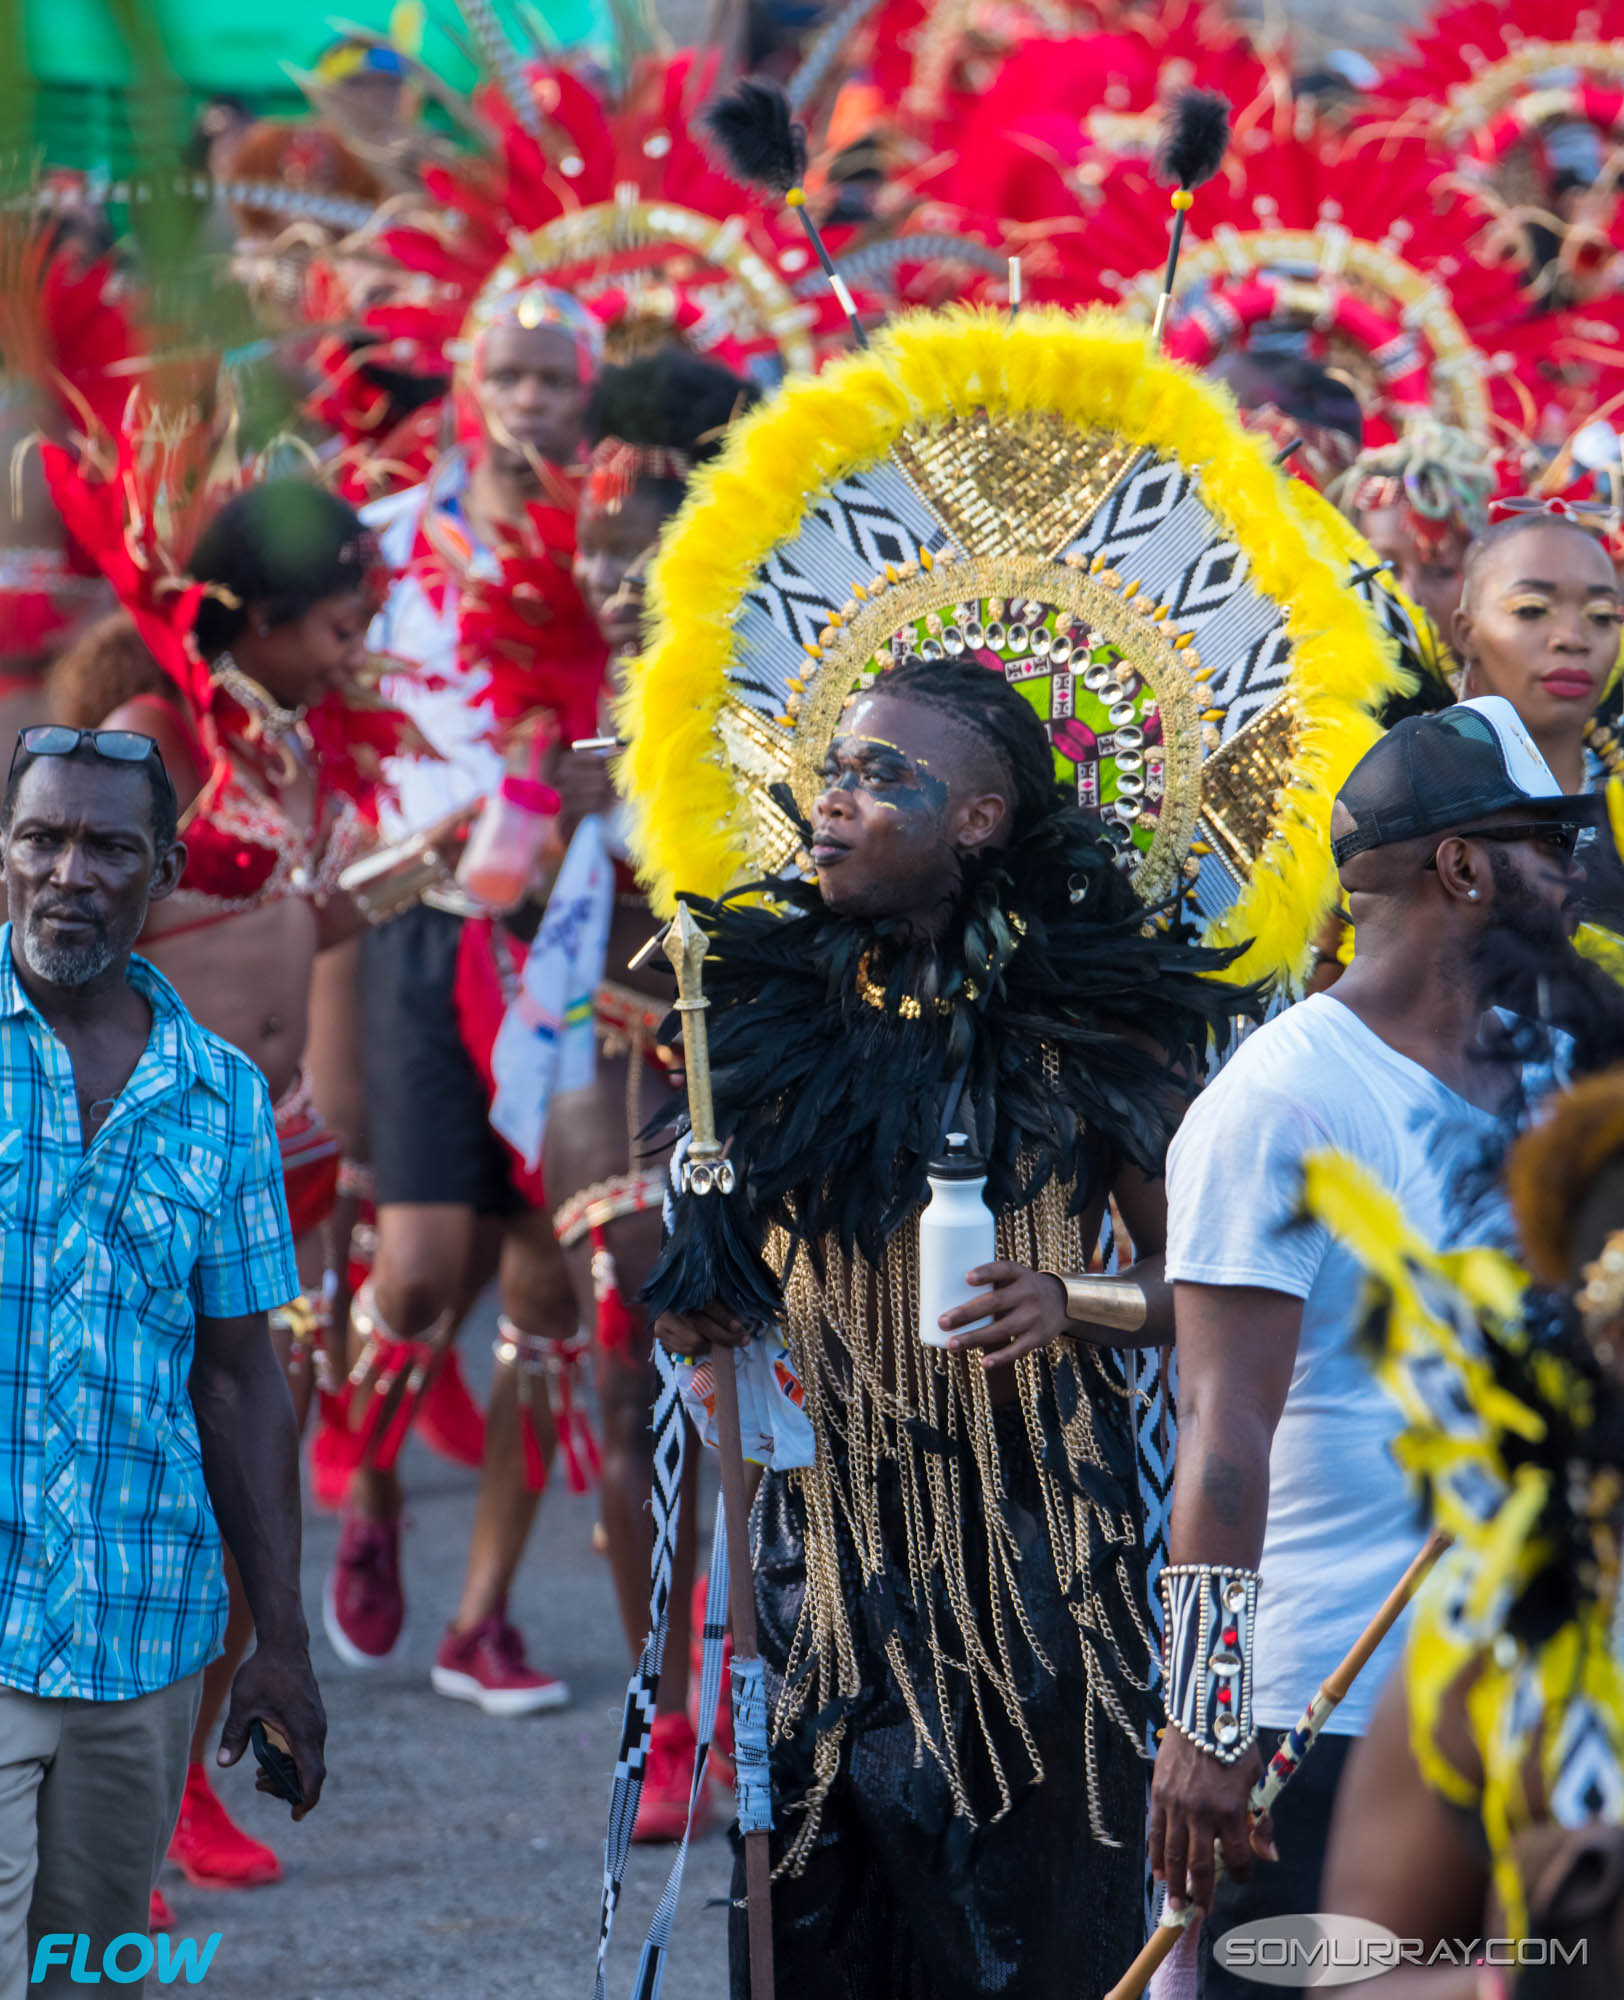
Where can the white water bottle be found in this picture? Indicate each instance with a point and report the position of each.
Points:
(956, 1234)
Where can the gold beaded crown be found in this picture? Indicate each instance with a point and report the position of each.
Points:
(1047, 496)
(658, 257)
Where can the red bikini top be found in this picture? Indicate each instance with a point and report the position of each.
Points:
(243, 850)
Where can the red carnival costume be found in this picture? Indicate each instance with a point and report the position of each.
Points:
(493, 641)
(623, 209)
(65, 326)
(1527, 96)
(1363, 246)
(136, 502)
(1018, 131)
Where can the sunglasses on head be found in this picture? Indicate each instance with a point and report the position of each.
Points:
(57, 739)
(1557, 836)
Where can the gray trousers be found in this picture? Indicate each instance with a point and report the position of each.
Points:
(89, 1795)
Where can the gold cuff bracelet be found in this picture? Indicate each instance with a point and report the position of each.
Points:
(1117, 1303)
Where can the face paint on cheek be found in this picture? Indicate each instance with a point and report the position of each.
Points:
(901, 784)
(925, 795)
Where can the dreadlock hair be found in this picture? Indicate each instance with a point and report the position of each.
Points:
(671, 399)
(280, 547)
(982, 705)
(1498, 533)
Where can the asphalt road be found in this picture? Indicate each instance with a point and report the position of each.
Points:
(453, 1856)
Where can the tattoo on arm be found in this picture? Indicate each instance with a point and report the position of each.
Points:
(1223, 1487)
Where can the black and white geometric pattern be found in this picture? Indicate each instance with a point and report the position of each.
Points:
(651, 1966)
(1155, 1379)
(1210, 1615)
(1589, 1785)
(1153, 525)
(1156, 528)
(849, 534)
(1251, 676)
(1217, 888)
(637, 1716)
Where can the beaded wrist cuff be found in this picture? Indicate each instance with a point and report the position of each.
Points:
(1207, 1652)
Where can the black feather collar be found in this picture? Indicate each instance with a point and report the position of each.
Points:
(831, 1104)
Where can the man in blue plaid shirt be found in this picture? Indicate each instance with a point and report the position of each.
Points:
(143, 1238)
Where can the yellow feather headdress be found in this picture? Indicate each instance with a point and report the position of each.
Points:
(1051, 497)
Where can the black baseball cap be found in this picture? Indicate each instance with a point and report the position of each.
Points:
(1439, 773)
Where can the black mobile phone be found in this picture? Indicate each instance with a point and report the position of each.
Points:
(276, 1763)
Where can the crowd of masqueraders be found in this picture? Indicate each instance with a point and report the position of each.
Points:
(1053, 574)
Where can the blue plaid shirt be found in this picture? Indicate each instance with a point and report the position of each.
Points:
(110, 1571)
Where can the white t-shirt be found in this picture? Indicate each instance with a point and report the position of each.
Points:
(410, 628)
(1342, 1525)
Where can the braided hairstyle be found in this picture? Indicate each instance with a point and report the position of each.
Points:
(982, 704)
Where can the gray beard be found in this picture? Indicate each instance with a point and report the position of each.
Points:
(66, 965)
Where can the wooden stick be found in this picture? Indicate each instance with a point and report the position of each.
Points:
(1159, 1947)
(742, 1596)
(1336, 1685)
(1287, 1760)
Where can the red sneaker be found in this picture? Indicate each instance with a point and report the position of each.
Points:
(362, 1606)
(158, 1916)
(210, 1850)
(662, 1811)
(448, 1419)
(487, 1666)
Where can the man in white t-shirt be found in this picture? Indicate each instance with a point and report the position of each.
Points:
(1290, 1521)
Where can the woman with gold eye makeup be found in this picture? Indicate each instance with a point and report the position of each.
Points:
(1540, 620)
(1539, 623)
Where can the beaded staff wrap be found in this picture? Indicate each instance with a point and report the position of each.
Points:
(1210, 1614)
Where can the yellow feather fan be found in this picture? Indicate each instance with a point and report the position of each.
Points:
(1049, 496)
(1542, 1704)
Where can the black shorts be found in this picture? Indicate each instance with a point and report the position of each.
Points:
(427, 1107)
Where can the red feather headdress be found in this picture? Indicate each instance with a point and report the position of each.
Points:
(1368, 245)
(1527, 96)
(67, 324)
(528, 628)
(621, 204)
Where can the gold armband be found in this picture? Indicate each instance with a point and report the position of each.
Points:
(1117, 1303)
(391, 879)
